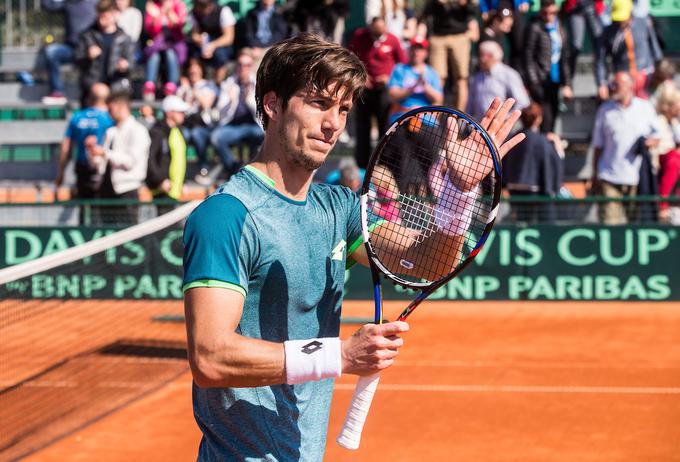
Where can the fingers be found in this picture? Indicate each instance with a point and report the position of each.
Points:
(500, 117)
(392, 328)
(490, 113)
(507, 125)
(511, 143)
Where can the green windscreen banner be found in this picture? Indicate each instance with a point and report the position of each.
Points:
(660, 8)
(542, 262)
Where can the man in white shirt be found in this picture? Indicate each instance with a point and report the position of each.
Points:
(122, 159)
(619, 125)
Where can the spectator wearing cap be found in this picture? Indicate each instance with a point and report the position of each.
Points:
(546, 59)
(379, 51)
(414, 84)
(104, 52)
(454, 28)
(168, 153)
(631, 44)
(621, 125)
(122, 159)
(494, 80)
(212, 35)
(519, 10)
(498, 26)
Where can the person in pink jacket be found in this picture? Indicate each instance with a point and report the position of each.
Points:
(164, 28)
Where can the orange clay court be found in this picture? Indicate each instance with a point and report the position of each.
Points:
(476, 381)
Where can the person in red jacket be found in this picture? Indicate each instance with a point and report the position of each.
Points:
(379, 51)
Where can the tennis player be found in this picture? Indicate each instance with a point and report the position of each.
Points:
(264, 268)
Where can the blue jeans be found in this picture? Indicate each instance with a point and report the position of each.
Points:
(222, 138)
(57, 54)
(199, 137)
(153, 64)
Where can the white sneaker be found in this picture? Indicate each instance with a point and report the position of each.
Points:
(55, 98)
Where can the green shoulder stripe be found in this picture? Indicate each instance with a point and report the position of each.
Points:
(214, 283)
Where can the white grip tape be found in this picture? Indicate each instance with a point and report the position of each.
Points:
(350, 435)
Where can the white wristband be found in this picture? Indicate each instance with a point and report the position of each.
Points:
(312, 359)
(453, 212)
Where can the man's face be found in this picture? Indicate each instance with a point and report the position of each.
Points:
(244, 67)
(378, 27)
(549, 13)
(267, 3)
(106, 19)
(310, 126)
(505, 25)
(486, 60)
(621, 88)
(176, 116)
(119, 110)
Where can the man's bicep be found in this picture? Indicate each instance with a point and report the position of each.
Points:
(210, 313)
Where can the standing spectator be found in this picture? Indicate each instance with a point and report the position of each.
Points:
(547, 63)
(212, 35)
(104, 52)
(454, 28)
(323, 18)
(168, 153)
(79, 15)
(631, 44)
(85, 126)
(379, 51)
(494, 80)
(663, 76)
(264, 26)
(582, 16)
(414, 84)
(533, 168)
(164, 25)
(399, 18)
(498, 26)
(238, 115)
(123, 159)
(668, 107)
(519, 9)
(619, 125)
(130, 20)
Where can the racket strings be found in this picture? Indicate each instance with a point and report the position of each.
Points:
(411, 189)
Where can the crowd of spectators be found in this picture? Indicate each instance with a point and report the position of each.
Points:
(462, 53)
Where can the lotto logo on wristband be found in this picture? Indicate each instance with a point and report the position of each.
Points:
(311, 347)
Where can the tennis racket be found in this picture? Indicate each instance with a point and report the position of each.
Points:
(428, 202)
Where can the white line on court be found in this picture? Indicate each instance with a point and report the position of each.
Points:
(522, 389)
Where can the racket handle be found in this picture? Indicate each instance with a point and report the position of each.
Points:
(350, 435)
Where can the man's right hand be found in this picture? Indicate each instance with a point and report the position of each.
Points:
(603, 92)
(94, 51)
(372, 348)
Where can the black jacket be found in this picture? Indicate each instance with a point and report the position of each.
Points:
(533, 166)
(537, 52)
(95, 70)
(158, 169)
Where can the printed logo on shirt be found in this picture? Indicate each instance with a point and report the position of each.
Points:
(312, 347)
(338, 251)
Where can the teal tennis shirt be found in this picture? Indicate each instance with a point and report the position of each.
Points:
(288, 259)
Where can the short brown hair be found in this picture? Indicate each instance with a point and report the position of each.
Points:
(307, 61)
(531, 114)
(105, 5)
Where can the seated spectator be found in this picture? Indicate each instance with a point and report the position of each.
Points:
(192, 86)
(79, 15)
(546, 60)
(498, 26)
(164, 26)
(631, 44)
(264, 25)
(415, 84)
(86, 124)
(129, 19)
(168, 153)
(621, 124)
(666, 153)
(212, 35)
(494, 79)
(122, 159)
(533, 168)
(238, 123)
(104, 52)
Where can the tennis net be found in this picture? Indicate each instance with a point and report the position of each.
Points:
(86, 330)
